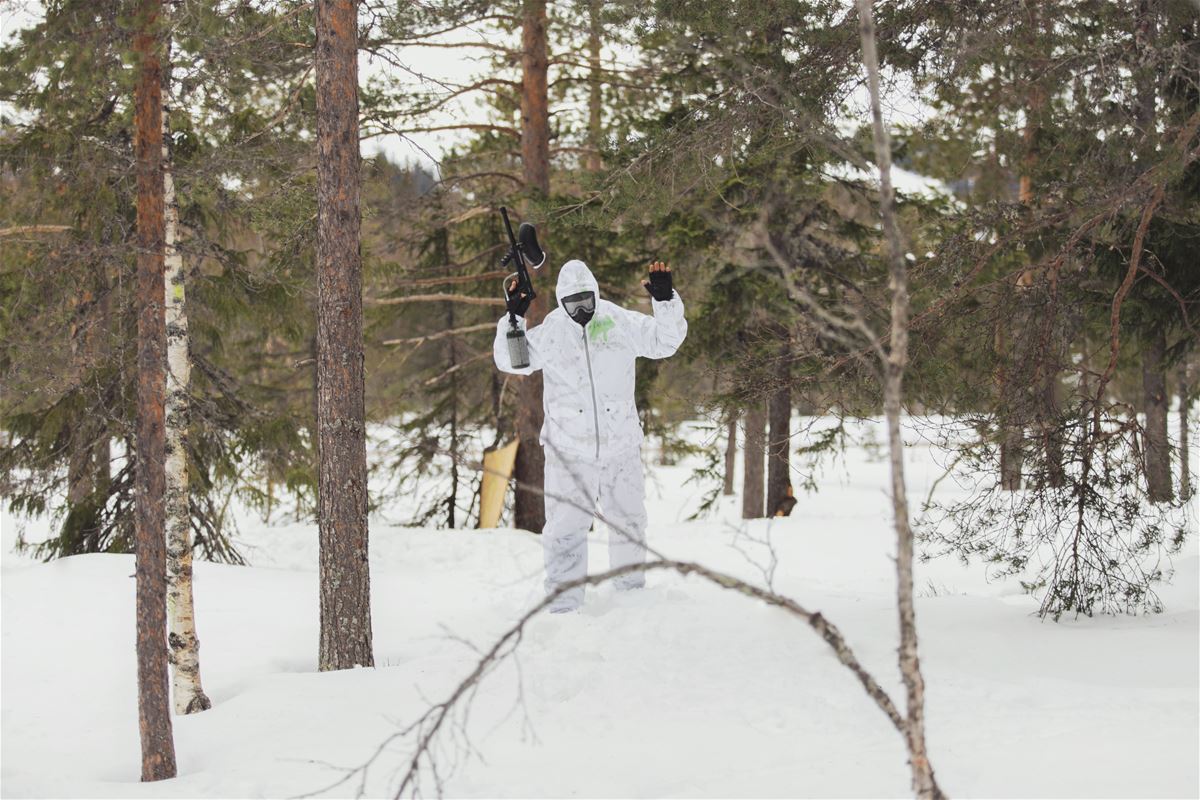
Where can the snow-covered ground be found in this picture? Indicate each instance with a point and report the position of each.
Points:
(682, 689)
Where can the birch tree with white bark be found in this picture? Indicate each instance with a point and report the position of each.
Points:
(184, 653)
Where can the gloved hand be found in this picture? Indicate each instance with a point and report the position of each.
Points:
(659, 285)
(516, 302)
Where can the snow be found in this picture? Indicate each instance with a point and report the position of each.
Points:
(682, 689)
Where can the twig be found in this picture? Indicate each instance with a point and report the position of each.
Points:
(418, 340)
(429, 298)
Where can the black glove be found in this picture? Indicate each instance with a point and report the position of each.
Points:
(517, 301)
(660, 285)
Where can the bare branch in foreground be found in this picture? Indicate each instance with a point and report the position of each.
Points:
(432, 722)
(428, 726)
(923, 782)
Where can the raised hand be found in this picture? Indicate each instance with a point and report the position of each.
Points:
(517, 303)
(659, 283)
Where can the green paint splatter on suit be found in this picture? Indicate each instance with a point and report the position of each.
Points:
(599, 327)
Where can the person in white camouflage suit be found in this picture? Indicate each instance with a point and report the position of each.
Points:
(586, 349)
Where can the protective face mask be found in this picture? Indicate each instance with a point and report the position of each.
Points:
(580, 306)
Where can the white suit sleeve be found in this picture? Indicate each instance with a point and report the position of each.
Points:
(659, 336)
(500, 348)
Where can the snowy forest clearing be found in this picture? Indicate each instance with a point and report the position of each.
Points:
(681, 689)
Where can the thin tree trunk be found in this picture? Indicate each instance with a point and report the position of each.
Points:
(345, 578)
(80, 466)
(1157, 445)
(184, 651)
(923, 782)
(779, 411)
(1185, 467)
(154, 711)
(1154, 372)
(1009, 395)
(1056, 473)
(594, 163)
(529, 508)
(731, 427)
(87, 463)
(752, 466)
(1011, 436)
(452, 358)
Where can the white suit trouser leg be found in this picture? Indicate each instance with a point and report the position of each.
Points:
(576, 490)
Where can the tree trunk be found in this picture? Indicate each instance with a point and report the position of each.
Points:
(188, 694)
(1157, 445)
(752, 468)
(779, 480)
(1185, 467)
(529, 509)
(154, 711)
(341, 441)
(923, 782)
(1056, 473)
(1011, 435)
(88, 460)
(1154, 384)
(87, 485)
(452, 359)
(1053, 470)
(730, 453)
(593, 162)
(81, 471)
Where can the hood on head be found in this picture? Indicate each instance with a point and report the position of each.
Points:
(575, 277)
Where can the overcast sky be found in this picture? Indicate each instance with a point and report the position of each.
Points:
(422, 68)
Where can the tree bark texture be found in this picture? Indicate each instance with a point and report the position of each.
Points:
(345, 580)
(1155, 405)
(184, 644)
(529, 504)
(154, 712)
(752, 467)
(896, 361)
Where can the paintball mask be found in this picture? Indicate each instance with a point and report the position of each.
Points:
(580, 306)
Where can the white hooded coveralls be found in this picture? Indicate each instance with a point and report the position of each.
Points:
(592, 434)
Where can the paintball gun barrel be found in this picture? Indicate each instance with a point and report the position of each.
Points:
(523, 252)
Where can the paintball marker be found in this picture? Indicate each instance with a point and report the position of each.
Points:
(524, 252)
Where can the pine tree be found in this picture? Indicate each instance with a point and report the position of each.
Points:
(341, 414)
(154, 716)
(237, 115)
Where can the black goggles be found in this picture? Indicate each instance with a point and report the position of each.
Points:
(580, 301)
